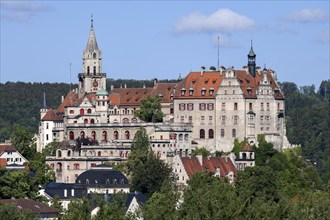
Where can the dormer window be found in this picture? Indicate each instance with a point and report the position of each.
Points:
(172, 95)
(191, 91)
(249, 90)
(160, 95)
(211, 91)
(183, 91)
(203, 92)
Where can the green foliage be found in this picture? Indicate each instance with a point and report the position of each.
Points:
(264, 151)
(148, 174)
(50, 149)
(150, 110)
(79, 209)
(15, 184)
(208, 197)
(113, 210)
(162, 204)
(200, 151)
(9, 211)
(23, 140)
(238, 146)
(140, 141)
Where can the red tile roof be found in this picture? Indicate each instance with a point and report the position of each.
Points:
(130, 96)
(192, 165)
(3, 162)
(52, 115)
(7, 148)
(247, 148)
(212, 79)
(70, 100)
(31, 205)
(197, 82)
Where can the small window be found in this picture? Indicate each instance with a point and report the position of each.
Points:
(235, 106)
(202, 134)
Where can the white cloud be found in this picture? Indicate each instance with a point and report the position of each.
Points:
(224, 41)
(307, 15)
(223, 20)
(21, 11)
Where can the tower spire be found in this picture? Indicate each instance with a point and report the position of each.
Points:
(252, 61)
(91, 43)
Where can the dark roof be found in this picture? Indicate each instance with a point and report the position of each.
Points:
(99, 177)
(141, 199)
(72, 190)
(31, 205)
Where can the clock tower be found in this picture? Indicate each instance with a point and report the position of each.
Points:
(92, 79)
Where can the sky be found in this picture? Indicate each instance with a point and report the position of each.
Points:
(164, 39)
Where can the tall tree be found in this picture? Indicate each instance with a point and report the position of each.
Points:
(150, 110)
(23, 140)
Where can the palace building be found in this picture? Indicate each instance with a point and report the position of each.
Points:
(207, 108)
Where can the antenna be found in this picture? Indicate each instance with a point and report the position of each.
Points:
(218, 54)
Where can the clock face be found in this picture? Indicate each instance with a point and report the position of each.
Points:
(95, 84)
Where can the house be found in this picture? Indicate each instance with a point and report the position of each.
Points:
(41, 210)
(12, 156)
(246, 158)
(186, 167)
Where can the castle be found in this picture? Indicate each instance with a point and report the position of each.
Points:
(207, 108)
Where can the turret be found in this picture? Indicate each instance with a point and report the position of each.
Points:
(252, 61)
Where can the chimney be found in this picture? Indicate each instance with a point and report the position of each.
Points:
(222, 68)
(226, 159)
(111, 87)
(62, 98)
(202, 70)
(121, 86)
(155, 81)
(144, 85)
(212, 68)
(125, 86)
(200, 159)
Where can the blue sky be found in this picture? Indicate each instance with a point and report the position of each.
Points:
(145, 39)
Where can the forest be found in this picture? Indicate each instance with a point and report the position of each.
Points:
(307, 112)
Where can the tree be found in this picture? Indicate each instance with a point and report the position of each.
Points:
(200, 151)
(79, 209)
(150, 110)
(163, 204)
(140, 141)
(264, 151)
(238, 146)
(15, 184)
(22, 139)
(9, 211)
(148, 174)
(114, 209)
(208, 197)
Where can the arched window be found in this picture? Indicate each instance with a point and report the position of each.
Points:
(180, 137)
(115, 135)
(94, 135)
(89, 111)
(94, 55)
(92, 121)
(76, 166)
(59, 167)
(115, 182)
(202, 134)
(186, 137)
(127, 135)
(88, 70)
(69, 153)
(59, 153)
(211, 134)
(105, 136)
(99, 153)
(134, 120)
(94, 70)
(82, 134)
(85, 121)
(125, 120)
(71, 135)
(234, 133)
(244, 156)
(222, 133)
(82, 112)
